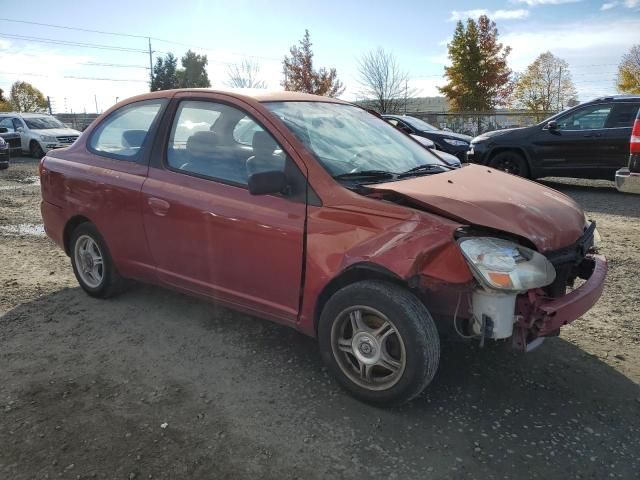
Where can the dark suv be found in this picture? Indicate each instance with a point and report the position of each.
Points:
(590, 140)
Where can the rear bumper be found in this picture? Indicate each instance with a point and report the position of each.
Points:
(627, 181)
(540, 316)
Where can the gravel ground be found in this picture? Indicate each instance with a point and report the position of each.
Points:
(154, 384)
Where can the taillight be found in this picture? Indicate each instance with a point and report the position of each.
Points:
(634, 145)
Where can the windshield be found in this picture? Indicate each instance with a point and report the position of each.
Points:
(347, 139)
(418, 124)
(43, 123)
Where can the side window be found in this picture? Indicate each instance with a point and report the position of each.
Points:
(622, 115)
(17, 124)
(210, 139)
(7, 123)
(393, 121)
(123, 133)
(592, 117)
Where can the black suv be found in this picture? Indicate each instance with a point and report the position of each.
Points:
(590, 140)
(449, 142)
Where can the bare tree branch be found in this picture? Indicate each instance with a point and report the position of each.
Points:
(383, 82)
(245, 75)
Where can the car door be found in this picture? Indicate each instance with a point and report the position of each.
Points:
(618, 133)
(107, 182)
(206, 232)
(577, 143)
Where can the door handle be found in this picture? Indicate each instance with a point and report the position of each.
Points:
(160, 207)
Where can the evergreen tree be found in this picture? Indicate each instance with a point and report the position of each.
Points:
(194, 71)
(165, 75)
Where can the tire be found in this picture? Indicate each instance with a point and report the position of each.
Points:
(103, 281)
(511, 162)
(412, 348)
(36, 150)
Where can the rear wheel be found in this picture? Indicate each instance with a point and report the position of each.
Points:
(36, 150)
(379, 341)
(92, 264)
(511, 162)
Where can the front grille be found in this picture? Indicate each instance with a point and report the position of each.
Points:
(67, 140)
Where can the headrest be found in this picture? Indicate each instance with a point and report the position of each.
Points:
(202, 143)
(263, 144)
(133, 138)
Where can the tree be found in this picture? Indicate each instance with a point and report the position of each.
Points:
(245, 75)
(165, 74)
(194, 71)
(629, 72)
(27, 98)
(299, 75)
(478, 77)
(545, 85)
(383, 81)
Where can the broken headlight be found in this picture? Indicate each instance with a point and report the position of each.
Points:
(504, 265)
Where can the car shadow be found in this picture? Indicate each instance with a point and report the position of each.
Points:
(558, 411)
(598, 196)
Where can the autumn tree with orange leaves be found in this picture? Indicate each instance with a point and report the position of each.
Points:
(478, 77)
(299, 75)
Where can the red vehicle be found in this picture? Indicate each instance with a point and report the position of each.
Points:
(313, 213)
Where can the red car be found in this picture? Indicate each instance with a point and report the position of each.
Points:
(313, 213)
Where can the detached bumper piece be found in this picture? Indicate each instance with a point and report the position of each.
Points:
(540, 316)
(627, 181)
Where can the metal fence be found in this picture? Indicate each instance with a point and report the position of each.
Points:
(78, 121)
(475, 123)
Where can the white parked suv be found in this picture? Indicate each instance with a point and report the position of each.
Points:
(39, 132)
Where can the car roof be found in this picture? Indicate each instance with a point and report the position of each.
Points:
(256, 94)
(615, 98)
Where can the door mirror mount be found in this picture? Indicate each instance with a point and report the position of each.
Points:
(552, 125)
(266, 183)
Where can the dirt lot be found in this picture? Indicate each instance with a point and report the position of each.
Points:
(153, 384)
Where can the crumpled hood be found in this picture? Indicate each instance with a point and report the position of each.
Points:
(483, 196)
(57, 132)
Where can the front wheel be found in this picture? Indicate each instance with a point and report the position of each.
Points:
(36, 150)
(511, 162)
(379, 341)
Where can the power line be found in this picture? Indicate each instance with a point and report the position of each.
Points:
(104, 32)
(73, 77)
(71, 28)
(98, 64)
(74, 44)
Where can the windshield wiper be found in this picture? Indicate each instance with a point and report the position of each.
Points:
(426, 168)
(365, 174)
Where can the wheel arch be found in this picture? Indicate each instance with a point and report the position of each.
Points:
(352, 274)
(69, 227)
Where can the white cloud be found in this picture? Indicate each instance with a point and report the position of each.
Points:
(493, 15)
(627, 3)
(534, 3)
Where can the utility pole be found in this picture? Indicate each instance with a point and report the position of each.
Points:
(560, 107)
(406, 92)
(95, 98)
(150, 63)
(49, 105)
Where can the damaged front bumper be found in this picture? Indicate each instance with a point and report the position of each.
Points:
(540, 316)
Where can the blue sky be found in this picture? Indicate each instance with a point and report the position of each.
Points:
(590, 35)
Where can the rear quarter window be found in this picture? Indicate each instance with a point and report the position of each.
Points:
(122, 135)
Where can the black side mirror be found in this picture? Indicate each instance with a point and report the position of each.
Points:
(552, 125)
(265, 183)
(3, 130)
